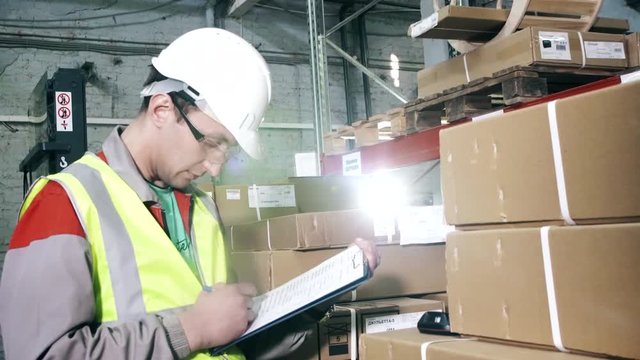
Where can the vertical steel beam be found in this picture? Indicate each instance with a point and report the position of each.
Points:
(346, 71)
(318, 59)
(364, 58)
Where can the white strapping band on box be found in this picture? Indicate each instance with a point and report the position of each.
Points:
(630, 77)
(254, 191)
(353, 336)
(269, 234)
(487, 116)
(582, 51)
(425, 346)
(466, 68)
(551, 289)
(558, 164)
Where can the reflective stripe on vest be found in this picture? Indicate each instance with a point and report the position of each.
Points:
(135, 278)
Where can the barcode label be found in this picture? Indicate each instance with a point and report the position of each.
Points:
(554, 45)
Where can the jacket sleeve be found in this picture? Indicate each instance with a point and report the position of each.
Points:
(47, 306)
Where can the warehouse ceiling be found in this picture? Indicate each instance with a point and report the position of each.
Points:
(634, 4)
(333, 6)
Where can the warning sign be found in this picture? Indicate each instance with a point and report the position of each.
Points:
(64, 119)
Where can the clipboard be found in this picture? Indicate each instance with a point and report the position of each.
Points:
(334, 276)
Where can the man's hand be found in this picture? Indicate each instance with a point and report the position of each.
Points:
(370, 252)
(219, 316)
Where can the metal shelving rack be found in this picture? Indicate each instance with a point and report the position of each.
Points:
(318, 41)
(425, 145)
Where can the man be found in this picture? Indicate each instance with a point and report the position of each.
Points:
(119, 257)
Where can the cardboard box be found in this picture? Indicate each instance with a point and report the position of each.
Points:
(304, 231)
(269, 269)
(207, 187)
(531, 46)
(460, 22)
(633, 47)
(502, 170)
(237, 204)
(343, 326)
(408, 344)
(498, 281)
(327, 193)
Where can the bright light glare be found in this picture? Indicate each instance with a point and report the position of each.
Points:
(383, 196)
(394, 63)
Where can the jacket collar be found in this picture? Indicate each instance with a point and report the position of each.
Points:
(120, 160)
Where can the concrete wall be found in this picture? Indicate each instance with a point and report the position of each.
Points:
(281, 36)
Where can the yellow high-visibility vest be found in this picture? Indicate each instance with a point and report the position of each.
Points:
(136, 268)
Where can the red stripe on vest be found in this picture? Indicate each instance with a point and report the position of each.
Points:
(50, 213)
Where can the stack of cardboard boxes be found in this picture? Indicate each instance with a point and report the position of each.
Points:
(546, 201)
(553, 193)
(278, 231)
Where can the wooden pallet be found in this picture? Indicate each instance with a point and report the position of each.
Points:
(378, 128)
(339, 141)
(398, 122)
(511, 86)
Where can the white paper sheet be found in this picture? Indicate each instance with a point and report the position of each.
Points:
(331, 275)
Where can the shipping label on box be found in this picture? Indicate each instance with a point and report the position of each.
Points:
(376, 324)
(604, 50)
(422, 225)
(554, 45)
(241, 204)
(233, 194)
(272, 196)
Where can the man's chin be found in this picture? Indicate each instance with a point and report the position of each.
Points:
(181, 183)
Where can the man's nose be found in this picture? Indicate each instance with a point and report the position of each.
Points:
(212, 168)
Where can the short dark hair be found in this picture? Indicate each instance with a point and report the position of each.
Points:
(155, 75)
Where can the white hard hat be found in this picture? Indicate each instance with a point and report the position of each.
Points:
(227, 77)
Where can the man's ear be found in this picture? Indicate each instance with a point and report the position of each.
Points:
(161, 110)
